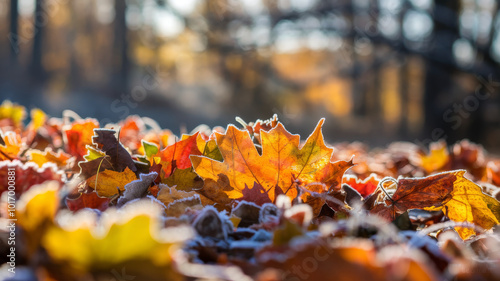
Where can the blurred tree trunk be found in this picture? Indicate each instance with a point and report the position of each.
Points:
(13, 32)
(40, 19)
(439, 69)
(121, 60)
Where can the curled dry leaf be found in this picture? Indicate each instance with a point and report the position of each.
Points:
(416, 193)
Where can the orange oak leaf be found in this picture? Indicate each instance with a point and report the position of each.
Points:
(282, 163)
(254, 128)
(416, 193)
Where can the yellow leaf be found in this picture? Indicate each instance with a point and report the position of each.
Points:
(470, 204)
(49, 156)
(108, 182)
(437, 159)
(131, 238)
(14, 112)
(38, 118)
(36, 210)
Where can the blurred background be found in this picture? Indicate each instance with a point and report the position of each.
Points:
(378, 70)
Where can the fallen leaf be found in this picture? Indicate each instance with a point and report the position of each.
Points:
(176, 156)
(27, 175)
(257, 195)
(470, 204)
(79, 135)
(36, 210)
(119, 157)
(176, 201)
(437, 159)
(416, 193)
(87, 200)
(284, 161)
(12, 147)
(92, 167)
(60, 159)
(364, 187)
(149, 149)
(14, 113)
(38, 119)
(184, 179)
(131, 239)
(109, 183)
(137, 188)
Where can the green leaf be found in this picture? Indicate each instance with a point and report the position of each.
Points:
(93, 153)
(150, 148)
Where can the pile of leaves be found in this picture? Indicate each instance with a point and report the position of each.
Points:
(132, 201)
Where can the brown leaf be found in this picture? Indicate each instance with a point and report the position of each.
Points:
(416, 193)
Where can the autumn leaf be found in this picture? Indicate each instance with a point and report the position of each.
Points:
(214, 193)
(416, 193)
(255, 128)
(27, 175)
(60, 159)
(176, 201)
(470, 204)
(149, 149)
(364, 187)
(38, 119)
(118, 156)
(137, 188)
(176, 169)
(109, 183)
(11, 115)
(176, 156)
(35, 212)
(79, 135)
(184, 179)
(132, 239)
(87, 200)
(12, 147)
(131, 132)
(436, 160)
(282, 162)
(257, 194)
